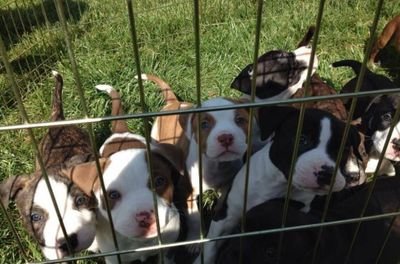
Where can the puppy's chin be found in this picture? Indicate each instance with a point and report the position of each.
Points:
(228, 156)
(392, 154)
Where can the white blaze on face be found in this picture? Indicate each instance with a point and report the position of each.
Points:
(225, 124)
(379, 139)
(311, 162)
(128, 175)
(79, 222)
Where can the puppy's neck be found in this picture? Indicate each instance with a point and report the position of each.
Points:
(218, 174)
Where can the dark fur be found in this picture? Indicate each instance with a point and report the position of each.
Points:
(371, 82)
(335, 240)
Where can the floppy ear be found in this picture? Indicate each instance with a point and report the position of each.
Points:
(85, 175)
(174, 155)
(10, 188)
(271, 117)
(121, 143)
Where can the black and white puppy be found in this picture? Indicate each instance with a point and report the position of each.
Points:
(376, 114)
(61, 147)
(269, 167)
(298, 245)
(371, 82)
(279, 74)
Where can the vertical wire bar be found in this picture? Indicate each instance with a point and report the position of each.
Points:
(16, 33)
(24, 116)
(31, 27)
(396, 117)
(132, 27)
(386, 238)
(14, 231)
(196, 27)
(43, 10)
(251, 115)
(301, 121)
(61, 16)
(347, 128)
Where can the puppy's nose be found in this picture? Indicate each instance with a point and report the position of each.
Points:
(73, 242)
(324, 176)
(225, 140)
(145, 218)
(396, 143)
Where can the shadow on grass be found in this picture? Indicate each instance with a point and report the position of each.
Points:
(20, 20)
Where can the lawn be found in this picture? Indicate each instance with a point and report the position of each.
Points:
(101, 42)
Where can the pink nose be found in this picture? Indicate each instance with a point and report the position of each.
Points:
(145, 218)
(225, 140)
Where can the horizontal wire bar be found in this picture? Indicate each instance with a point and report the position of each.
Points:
(247, 234)
(195, 110)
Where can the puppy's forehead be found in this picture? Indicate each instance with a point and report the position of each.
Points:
(42, 197)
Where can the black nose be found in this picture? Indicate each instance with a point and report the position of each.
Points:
(396, 143)
(324, 176)
(73, 242)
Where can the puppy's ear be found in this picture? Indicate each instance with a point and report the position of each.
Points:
(9, 188)
(174, 155)
(271, 117)
(85, 175)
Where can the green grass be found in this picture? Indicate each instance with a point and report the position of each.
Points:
(104, 54)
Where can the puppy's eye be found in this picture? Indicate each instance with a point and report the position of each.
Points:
(239, 120)
(159, 181)
(81, 200)
(114, 195)
(35, 217)
(204, 124)
(250, 72)
(387, 117)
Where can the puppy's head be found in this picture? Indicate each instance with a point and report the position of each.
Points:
(130, 196)
(376, 123)
(223, 133)
(279, 74)
(35, 206)
(318, 148)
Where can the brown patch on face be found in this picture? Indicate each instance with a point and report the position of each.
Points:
(118, 144)
(81, 200)
(242, 119)
(113, 196)
(207, 122)
(162, 174)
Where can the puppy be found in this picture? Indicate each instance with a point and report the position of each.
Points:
(269, 167)
(375, 124)
(375, 115)
(390, 34)
(127, 181)
(279, 73)
(371, 82)
(298, 245)
(61, 147)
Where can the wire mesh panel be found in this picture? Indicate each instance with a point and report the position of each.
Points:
(198, 47)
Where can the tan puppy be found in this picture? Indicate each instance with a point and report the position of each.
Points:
(390, 33)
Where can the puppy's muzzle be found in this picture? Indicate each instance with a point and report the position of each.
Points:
(324, 176)
(225, 140)
(396, 144)
(62, 243)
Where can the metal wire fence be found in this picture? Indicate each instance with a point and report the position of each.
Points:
(37, 36)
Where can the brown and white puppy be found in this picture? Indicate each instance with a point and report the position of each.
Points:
(61, 147)
(223, 137)
(269, 167)
(127, 181)
(390, 34)
(320, 88)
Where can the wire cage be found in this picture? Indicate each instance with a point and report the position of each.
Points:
(197, 46)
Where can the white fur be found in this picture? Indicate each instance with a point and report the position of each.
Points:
(127, 173)
(105, 88)
(379, 139)
(266, 182)
(82, 222)
(127, 135)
